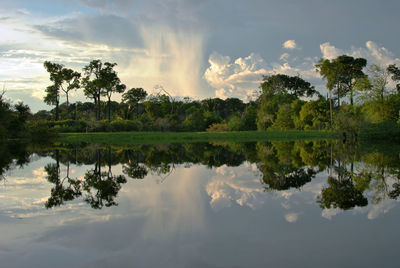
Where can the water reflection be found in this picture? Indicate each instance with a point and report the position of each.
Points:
(356, 174)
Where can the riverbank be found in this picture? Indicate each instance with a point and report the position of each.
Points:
(167, 137)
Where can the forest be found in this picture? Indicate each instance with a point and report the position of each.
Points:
(360, 97)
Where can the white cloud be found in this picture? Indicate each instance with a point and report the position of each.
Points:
(329, 52)
(235, 79)
(232, 185)
(289, 44)
(291, 217)
(284, 56)
(242, 77)
(374, 53)
(329, 213)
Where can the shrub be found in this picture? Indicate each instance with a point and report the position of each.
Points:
(125, 125)
(41, 131)
(219, 127)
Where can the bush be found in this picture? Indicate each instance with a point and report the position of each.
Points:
(125, 125)
(235, 123)
(218, 128)
(41, 131)
(65, 125)
(388, 130)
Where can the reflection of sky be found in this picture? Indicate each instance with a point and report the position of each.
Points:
(197, 217)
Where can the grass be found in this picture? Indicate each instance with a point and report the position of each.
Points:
(120, 138)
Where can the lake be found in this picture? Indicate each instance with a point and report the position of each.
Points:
(265, 204)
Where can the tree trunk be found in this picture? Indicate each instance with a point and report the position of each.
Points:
(98, 108)
(330, 106)
(57, 112)
(109, 109)
(351, 96)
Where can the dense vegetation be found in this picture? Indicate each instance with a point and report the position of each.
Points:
(363, 100)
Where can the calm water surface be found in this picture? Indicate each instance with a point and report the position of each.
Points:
(303, 204)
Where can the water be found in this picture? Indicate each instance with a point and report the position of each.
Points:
(304, 204)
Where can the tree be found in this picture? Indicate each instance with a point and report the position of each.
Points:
(93, 83)
(350, 69)
(329, 71)
(313, 115)
(53, 92)
(71, 79)
(395, 72)
(133, 97)
(111, 83)
(282, 83)
(62, 78)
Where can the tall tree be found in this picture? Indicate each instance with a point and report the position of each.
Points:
(70, 81)
(63, 79)
(350, 69)
(111, 83)
(53, 92)
(93, 84)
(133, 97)
(329, 70)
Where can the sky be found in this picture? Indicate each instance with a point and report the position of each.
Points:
(195, 48)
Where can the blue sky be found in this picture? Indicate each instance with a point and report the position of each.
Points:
(208, 48)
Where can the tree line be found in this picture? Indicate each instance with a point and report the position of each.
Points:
(359, 95)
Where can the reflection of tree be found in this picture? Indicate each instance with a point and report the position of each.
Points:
(341, 194)
(355, 172)
(135, 170)
(100, 187)
(281, 166)
(378, 173)
(295, 179)
(12, 154)
(65, 189)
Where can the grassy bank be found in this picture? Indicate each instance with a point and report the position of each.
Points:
(165, 137)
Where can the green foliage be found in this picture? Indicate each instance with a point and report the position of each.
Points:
(218, 127)
(341, 194)
(377, 111)
(268, 108)
(348, 119)
(132, 97)
(40, 131)
(281, 84)
(395, 72)
(387, 130)
(341, 74)
(235, 123)
(313, 115)
(284, 118)
(195, 121)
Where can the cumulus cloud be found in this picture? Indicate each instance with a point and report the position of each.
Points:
(235, 79)
(242, 77)
(289, 44)
(374, 53)
(233, 186)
